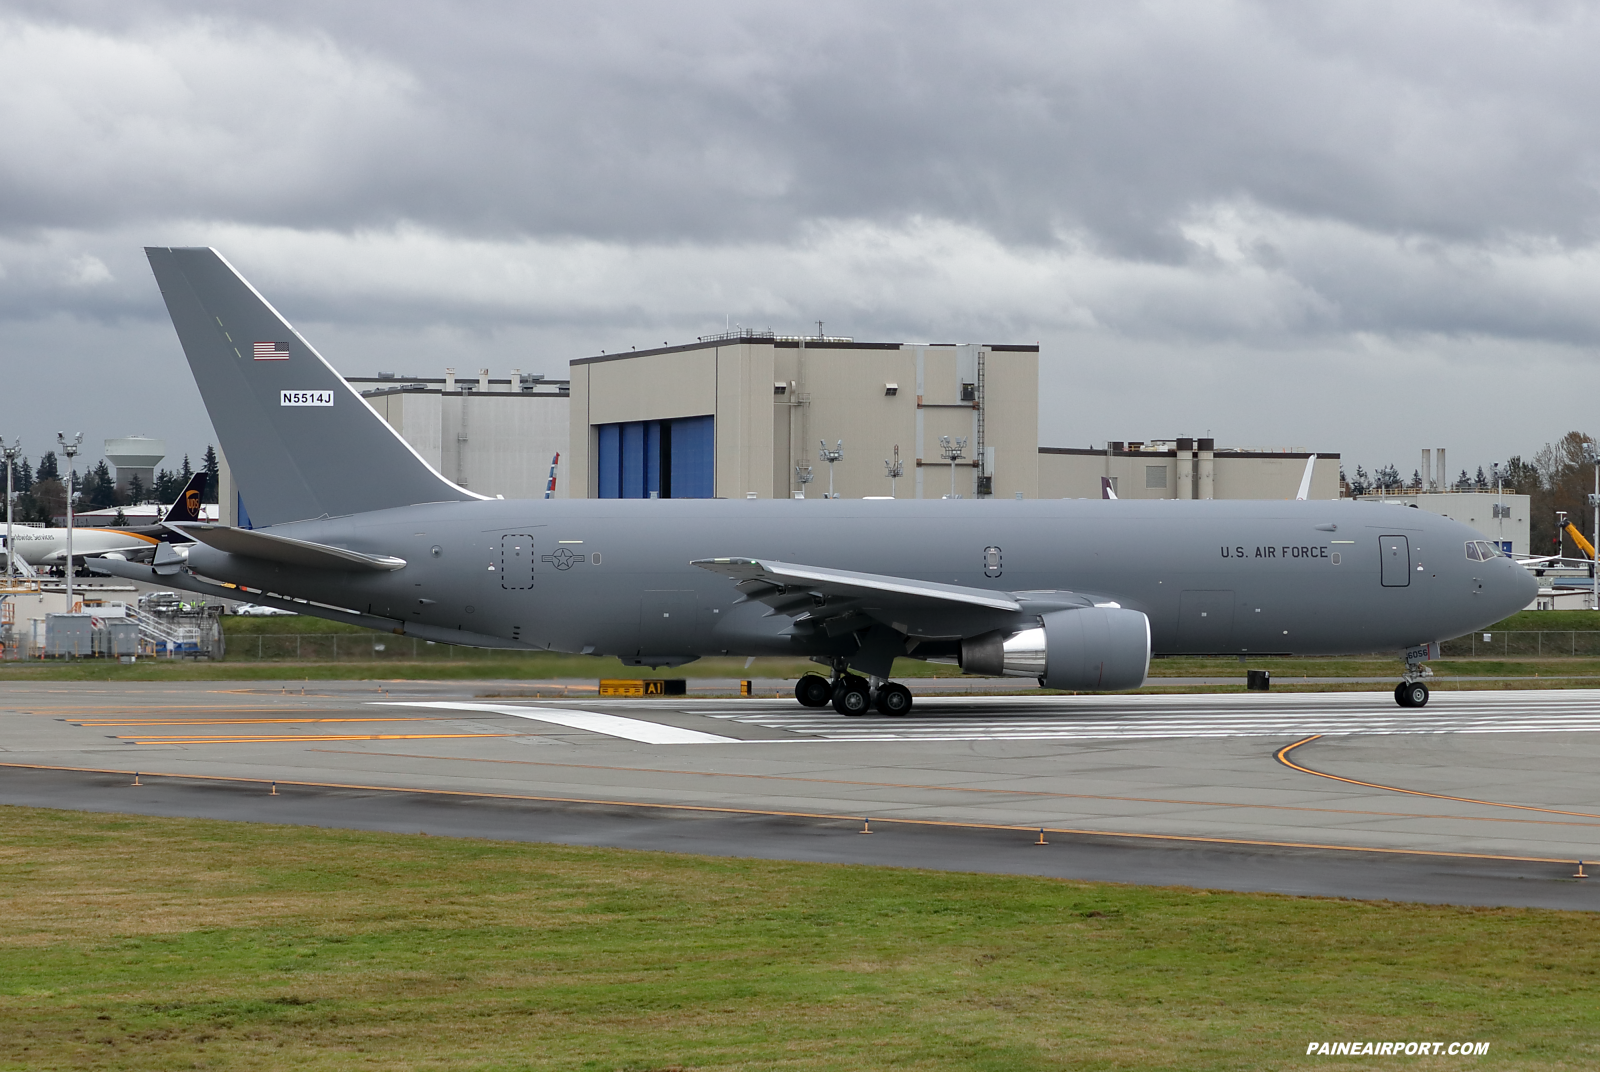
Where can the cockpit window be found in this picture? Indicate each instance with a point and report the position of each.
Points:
(1481, 551)
(1474, 551)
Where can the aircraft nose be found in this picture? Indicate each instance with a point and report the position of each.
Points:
(1515, 586)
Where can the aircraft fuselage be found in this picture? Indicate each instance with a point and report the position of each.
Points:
(614, 576)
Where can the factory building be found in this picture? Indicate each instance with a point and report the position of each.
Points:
(1183, 469)
(744, 414)
(492, 436)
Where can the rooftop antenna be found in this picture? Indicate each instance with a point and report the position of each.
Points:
(819, 330)
(830, 456)
(894, 470)
(802, 476)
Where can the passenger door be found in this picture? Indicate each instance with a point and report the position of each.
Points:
(1396, 555)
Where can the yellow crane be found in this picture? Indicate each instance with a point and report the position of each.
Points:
(1577, 537)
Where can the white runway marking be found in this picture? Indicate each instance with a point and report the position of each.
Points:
(1059, 718)
(632, 729)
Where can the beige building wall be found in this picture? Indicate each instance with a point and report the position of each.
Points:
(777, 399)
(495, 442)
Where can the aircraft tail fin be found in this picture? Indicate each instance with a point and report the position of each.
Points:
(301, 442)
(186, 507)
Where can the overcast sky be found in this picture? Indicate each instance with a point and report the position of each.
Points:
(1357, 227)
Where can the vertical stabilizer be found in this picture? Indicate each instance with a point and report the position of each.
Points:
(300, 441)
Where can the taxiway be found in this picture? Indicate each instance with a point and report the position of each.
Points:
(1479, 798)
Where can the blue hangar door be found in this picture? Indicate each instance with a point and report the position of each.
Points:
(673, 459)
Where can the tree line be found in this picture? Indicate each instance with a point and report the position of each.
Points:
(41, 491)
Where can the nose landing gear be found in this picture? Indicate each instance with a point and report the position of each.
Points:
(1411, 694)
(1413, 690)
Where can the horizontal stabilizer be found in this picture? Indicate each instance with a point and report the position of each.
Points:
(252, 543)
(850, 583)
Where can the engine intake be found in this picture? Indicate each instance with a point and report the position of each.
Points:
(1089, 648)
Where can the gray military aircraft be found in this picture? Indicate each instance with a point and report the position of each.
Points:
(340, 518)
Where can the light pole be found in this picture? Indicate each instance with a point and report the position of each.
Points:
(894, 470)
(1591, 454)
(953, 451)
(802, 476)
(830, 456)
(11, 465)
(70, 449)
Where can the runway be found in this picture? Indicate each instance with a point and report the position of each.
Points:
(1479, 798)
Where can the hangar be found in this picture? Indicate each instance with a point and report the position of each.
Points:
(744, 414)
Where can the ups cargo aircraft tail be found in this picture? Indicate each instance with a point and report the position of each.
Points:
(1077, 593)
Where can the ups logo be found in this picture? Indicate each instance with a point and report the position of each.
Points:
(191, 504)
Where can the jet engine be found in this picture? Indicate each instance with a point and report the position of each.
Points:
(1087, 648)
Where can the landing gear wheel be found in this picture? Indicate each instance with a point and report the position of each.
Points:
(850, 697)
(1411, 694)
(894, 699)
(813, 690)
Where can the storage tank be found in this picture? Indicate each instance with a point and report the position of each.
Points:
(135, 456)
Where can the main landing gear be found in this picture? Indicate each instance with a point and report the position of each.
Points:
(1413, 690)
(853, 695)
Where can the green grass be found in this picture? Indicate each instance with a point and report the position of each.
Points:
(135, 943)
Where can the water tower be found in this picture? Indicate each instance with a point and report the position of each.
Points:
(135, 456)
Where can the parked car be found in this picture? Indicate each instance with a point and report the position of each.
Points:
(255, 610)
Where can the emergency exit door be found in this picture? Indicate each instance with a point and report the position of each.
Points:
(1396, 555)
(516, 561)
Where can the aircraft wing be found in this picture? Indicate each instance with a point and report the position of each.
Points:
(778, 583)
(250, 543)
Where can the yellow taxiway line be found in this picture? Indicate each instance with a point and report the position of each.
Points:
(1283, 757)
(292, 738)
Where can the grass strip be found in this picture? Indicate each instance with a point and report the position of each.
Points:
(140, 943)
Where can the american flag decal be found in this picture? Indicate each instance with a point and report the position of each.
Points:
(272, 351)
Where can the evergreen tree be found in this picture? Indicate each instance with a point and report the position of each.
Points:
(186, 472)
(121, 518)
(136, 493)
(1464, 482)
(99, 489)
(48, 499)
(209, 465)
(1482, 482)
(48, 470)
(166, 487)
(1416, 479)
(23, 477)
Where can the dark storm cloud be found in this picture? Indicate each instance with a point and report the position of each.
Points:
(735, 121)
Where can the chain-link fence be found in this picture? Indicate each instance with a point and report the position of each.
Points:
(343, 647)
(1512, 642)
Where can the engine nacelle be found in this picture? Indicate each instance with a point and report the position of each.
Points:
(1098, 649)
